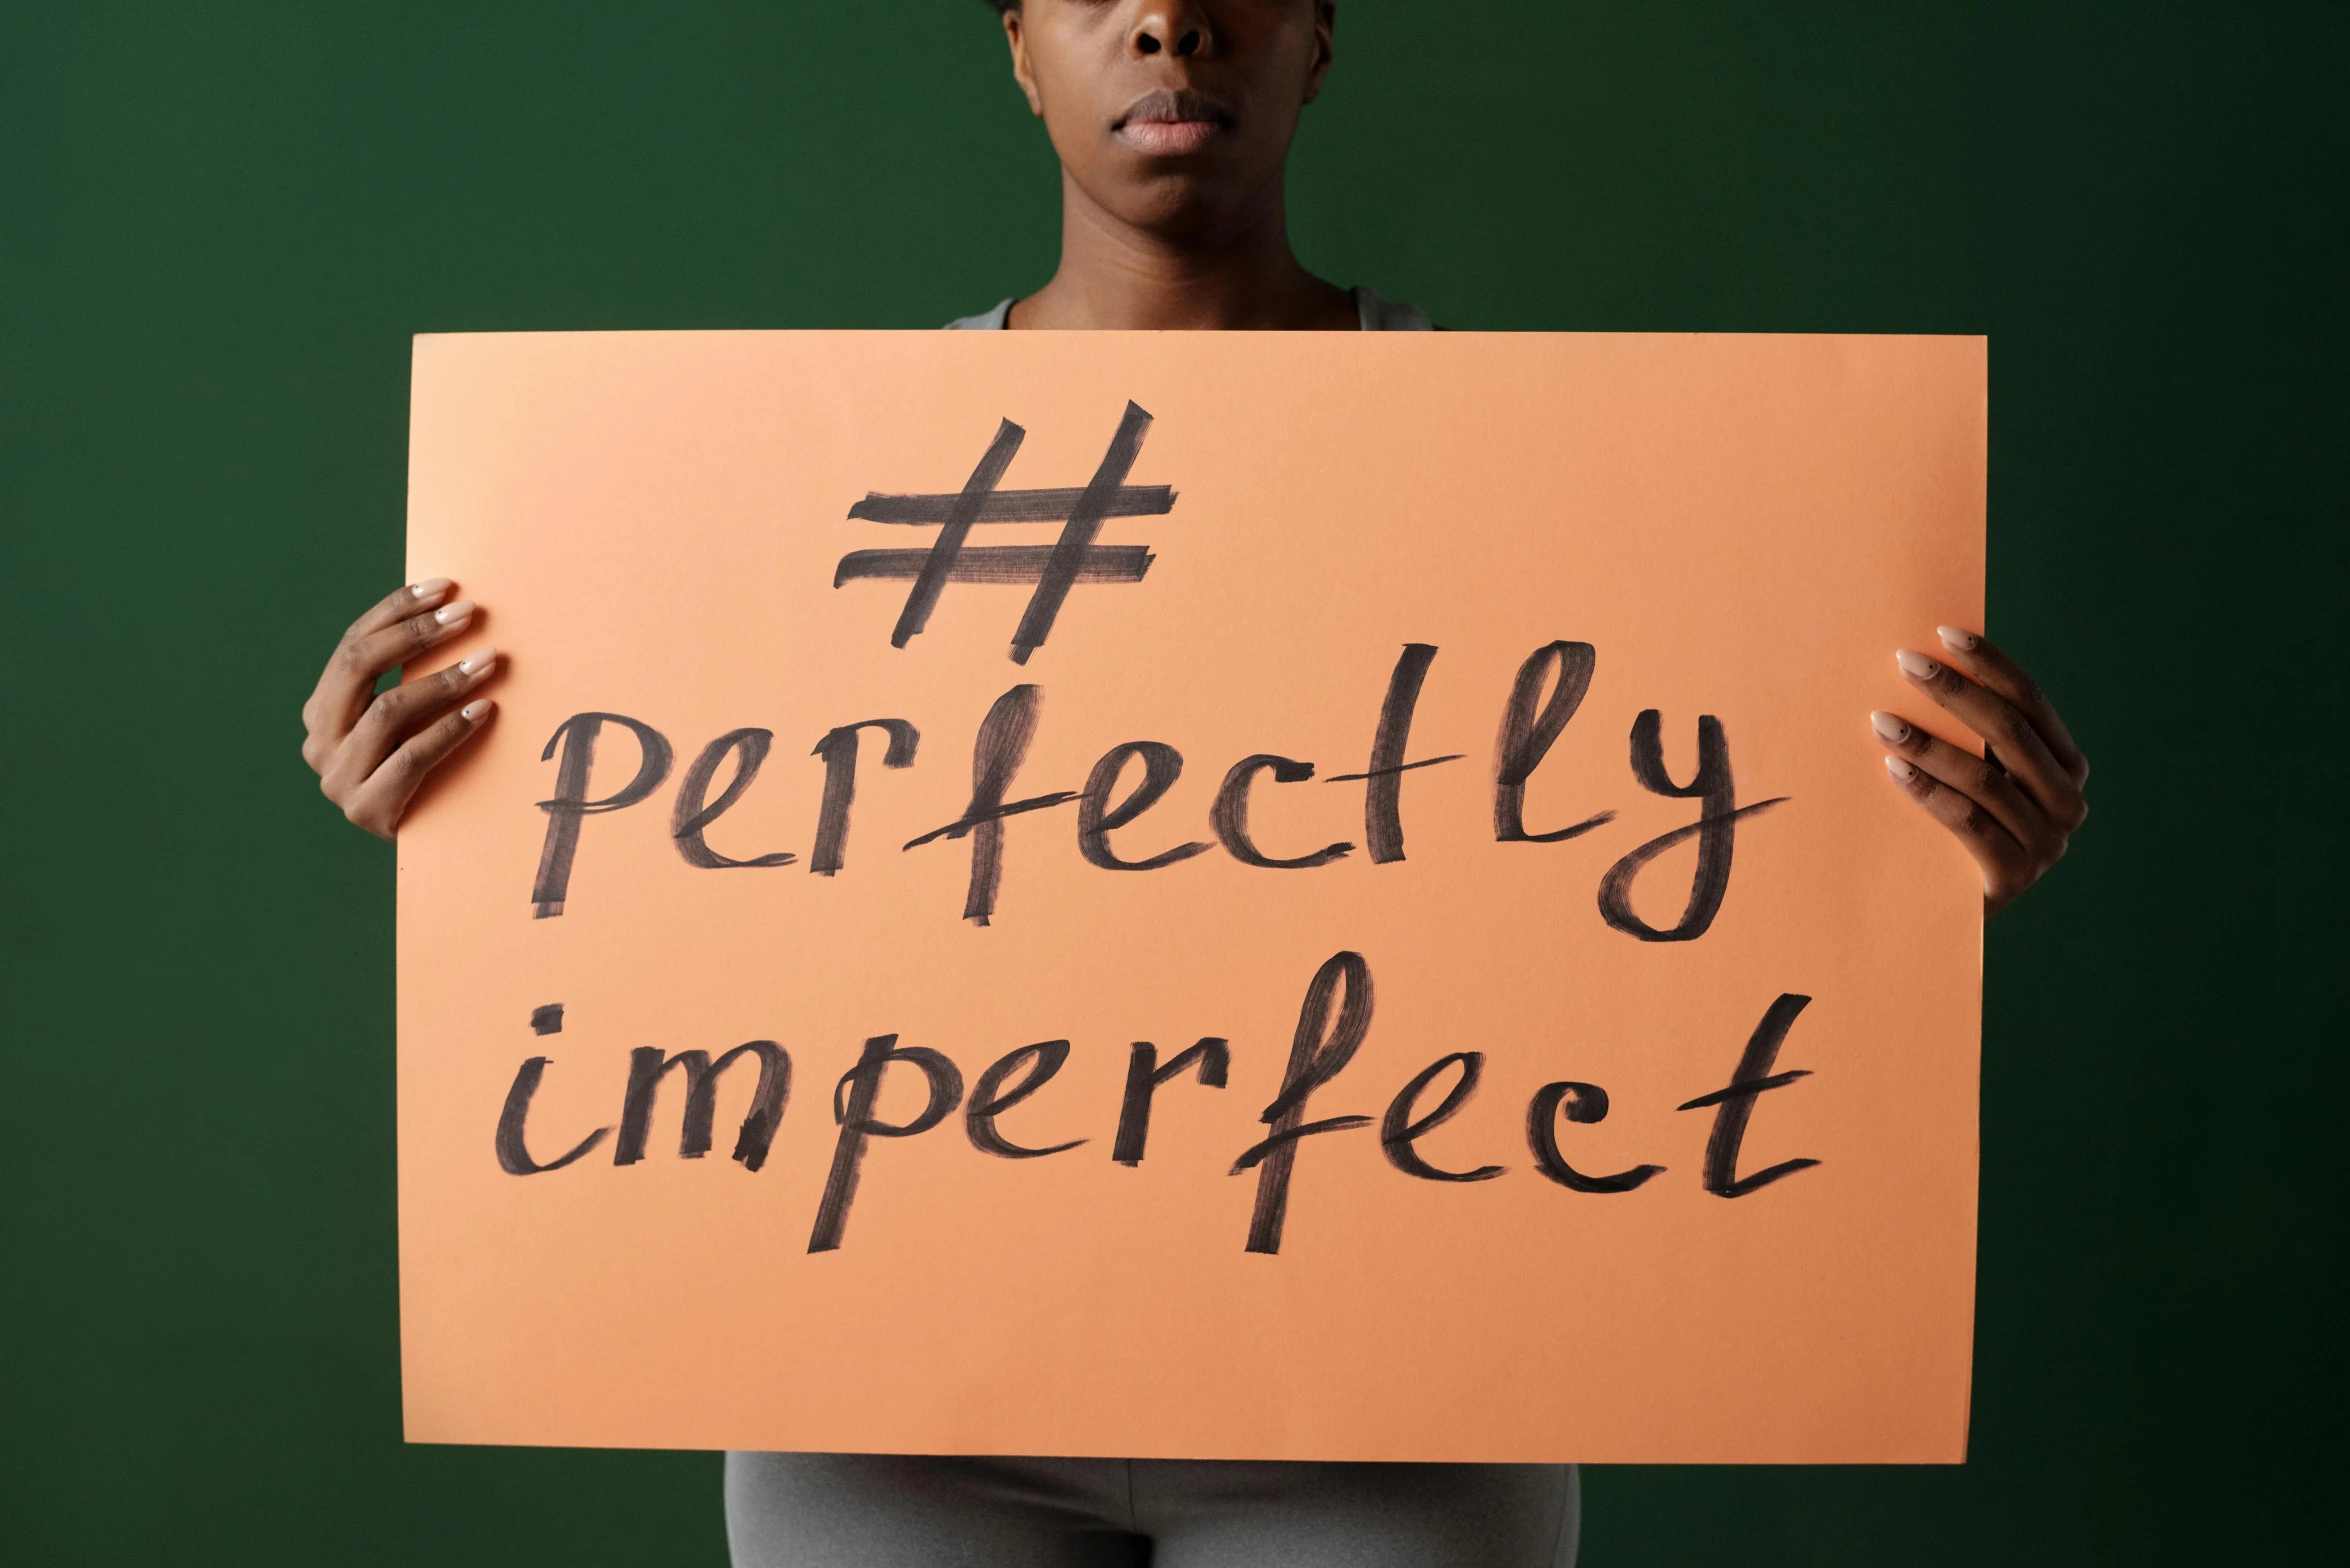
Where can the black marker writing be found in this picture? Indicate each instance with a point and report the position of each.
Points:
(1333, 1023)
(852, 1106)
(577, 736)
(930, 576)
(1578, 1102)
(1399, 1130)
(838, 748)
(1162, 765)
(1000, 564)
(1076, 541)
(990, 1099)
(1383, 800)
(1716, 830)
(647, 1067)
(513, 1153)
(1143, 1077)
(1529, 727)
(1229, 815)
(995, 757)
(1320, 1049)
(1054, 568)
(1753, 1077)
(691, 817)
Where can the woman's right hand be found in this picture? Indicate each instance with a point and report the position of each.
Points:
(371, 752)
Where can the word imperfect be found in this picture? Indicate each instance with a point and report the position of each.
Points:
(1331, 1027)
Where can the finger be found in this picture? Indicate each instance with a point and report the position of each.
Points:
(398, 605)
(1984, 661)
(2015, 745)
(1994, 849)
(379, 804)
(1970, 775)
(360, 661)
(328, 712)
(332, 698)
(394, 714)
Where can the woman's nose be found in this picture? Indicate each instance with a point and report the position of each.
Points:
(1177, 29)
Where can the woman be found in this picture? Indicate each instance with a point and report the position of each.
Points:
(1172, 121)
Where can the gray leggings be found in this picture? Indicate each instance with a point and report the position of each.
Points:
(888, 1511)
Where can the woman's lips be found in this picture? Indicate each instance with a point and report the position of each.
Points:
(1168, 138)
(1171, 122)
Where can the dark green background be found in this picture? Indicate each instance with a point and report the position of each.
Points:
(221, 222)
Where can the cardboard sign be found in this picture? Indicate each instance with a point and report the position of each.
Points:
(1215, 895)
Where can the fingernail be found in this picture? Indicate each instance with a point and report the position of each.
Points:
(450, 615)
(1957, 637)
(1889, 728)
(479, 662)
(429, 587)
(1914, 665)
(474, 711)
(1902, 772)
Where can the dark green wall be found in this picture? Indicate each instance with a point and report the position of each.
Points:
(220, 223)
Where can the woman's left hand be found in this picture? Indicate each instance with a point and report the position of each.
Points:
(2018, 805)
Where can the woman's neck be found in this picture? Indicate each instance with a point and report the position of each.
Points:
(1238, 276)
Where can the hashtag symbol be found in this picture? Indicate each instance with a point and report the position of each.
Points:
(1055, 568)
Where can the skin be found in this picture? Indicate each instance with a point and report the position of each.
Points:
(1173, 122)
(1174, 215)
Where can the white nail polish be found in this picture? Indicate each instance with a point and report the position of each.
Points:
(1902, 772)
(479, 662)
(450, 615)
(1913, 664)
(473, 711)
(430, 586)
(1889, 728)
(1958, 637)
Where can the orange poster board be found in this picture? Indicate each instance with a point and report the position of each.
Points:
(1238, 895)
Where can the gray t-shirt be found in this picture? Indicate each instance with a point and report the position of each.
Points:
(1377, 315)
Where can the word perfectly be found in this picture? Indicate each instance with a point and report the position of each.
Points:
(1549, 687)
